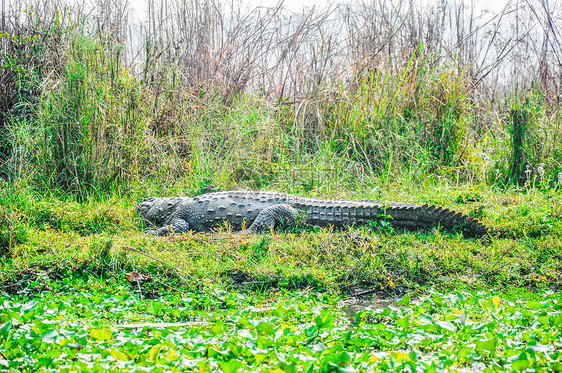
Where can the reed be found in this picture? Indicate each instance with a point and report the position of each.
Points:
(201, 97)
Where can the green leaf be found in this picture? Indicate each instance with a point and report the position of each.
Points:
(157, 307)
(5, 330)
(231, 366)
(447, 325)
(425, 320)
(519, 362)
(311, 331)
(265, 328)
(485, 303)
(405, 301)
(119, 355)
(28, 310)
(50, 336)
(343, 359)
(324, 320)
(487, 345)
(155, 352)
(534, 305)
(399, 356)
(218, 328)
(31, 306)
(101, 335)
(404, 322)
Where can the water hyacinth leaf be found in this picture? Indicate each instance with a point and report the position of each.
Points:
(103, 334)
(171, 355)
(324, 320)
(413, 355)
(28, 310)
(438, 300)
(265, 328)
(519, 362)
(404, 322)
(218, 328)
(231, 366)
(5, 330)
(488, 345)
(405, 301)
(119, 355)
(155, 352)
(534, 305)
(485, 303)
(157, 307)
(447, 325)
(399, 356)
(347, 369)
(30, 306)
(50, 336)
(426, 320)
(12, 316)
(245, 333)
(538, 348)
(311, 331)
(543, 320)
(280, 310)
(497, 301)
(343, 359)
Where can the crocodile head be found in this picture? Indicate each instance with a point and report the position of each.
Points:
(156, 210)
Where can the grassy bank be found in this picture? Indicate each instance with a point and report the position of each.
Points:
(51, 232)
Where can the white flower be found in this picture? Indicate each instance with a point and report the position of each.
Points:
(540, 170)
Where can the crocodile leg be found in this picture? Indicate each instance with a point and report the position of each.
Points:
(176, 225)
(272, 216)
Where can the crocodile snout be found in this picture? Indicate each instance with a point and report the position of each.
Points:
(145, 205)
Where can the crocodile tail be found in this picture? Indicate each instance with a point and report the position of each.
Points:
(401, 215)
(409, 216)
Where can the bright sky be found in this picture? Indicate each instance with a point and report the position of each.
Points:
(494, 6)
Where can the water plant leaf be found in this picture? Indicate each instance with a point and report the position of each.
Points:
(103, 334)
(405, 301)
(50, 336)
(488, 345)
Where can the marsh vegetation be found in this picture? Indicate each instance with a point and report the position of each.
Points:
(384, 100)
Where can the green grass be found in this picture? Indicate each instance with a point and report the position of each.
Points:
(528, 254)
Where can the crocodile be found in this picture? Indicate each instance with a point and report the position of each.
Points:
(260, 211)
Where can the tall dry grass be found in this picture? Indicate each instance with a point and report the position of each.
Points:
(199, 96)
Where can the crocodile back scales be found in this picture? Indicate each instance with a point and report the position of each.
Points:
(240, 209)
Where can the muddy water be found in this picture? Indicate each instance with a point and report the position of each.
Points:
(352, 306)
